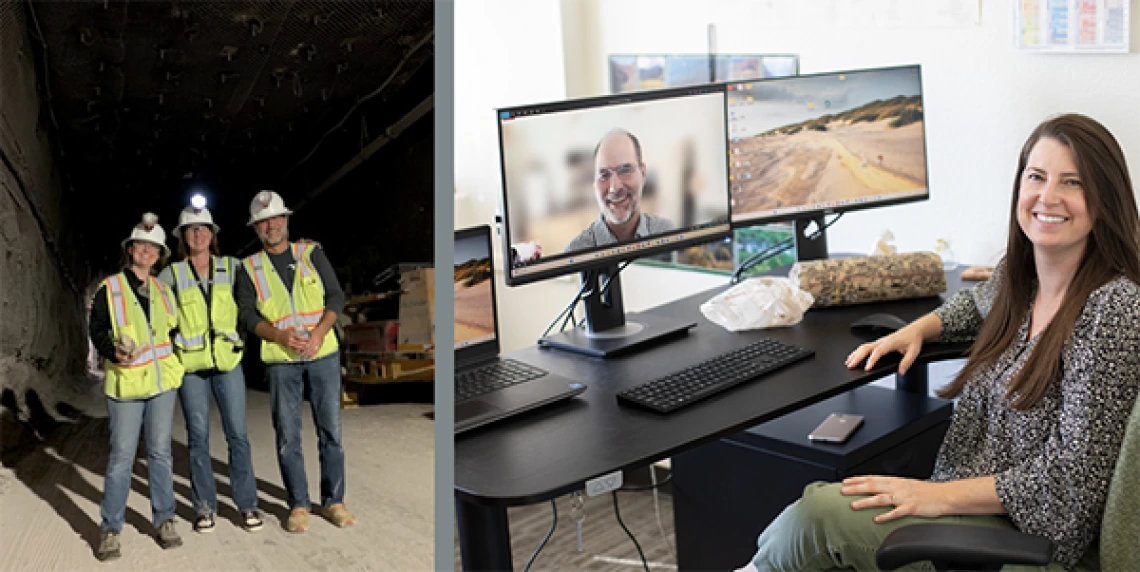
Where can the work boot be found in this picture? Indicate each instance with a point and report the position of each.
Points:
(108, 546)
(167, 536)
(298, 520)
(338, 514)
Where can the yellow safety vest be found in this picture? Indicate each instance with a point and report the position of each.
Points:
(302, 306)
(156, 369)
(207, 335)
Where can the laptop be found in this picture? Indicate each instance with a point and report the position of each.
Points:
(489, 388)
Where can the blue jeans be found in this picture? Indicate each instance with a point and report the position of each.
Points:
(128, 418)
(229, 393)
(286, 391)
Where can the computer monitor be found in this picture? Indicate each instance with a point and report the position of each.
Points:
(638, 72)
(593, 182)
(807, 146)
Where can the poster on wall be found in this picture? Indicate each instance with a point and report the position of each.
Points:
(1071, 26)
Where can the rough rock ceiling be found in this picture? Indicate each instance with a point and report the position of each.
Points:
(153, 100)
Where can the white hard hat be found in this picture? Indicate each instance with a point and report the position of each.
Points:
(191, 215)
(267, 204)
(149, 231)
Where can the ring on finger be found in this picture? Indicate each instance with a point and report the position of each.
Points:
(893, 501)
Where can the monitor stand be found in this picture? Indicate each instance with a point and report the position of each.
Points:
(608, 333)
(807, 247)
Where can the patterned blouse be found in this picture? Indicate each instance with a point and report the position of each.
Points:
(1053, 462)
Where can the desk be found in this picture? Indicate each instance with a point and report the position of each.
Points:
(555, 450)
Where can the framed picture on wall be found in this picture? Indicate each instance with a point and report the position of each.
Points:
(1071, 26)
(633, 72)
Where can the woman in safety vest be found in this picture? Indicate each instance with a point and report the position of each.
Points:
(132, 318)
(211, 350)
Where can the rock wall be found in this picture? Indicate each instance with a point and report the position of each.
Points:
(43, 279)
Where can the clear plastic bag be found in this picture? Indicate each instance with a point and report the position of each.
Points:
(758, 303)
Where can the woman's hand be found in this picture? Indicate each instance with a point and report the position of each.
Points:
(909, 497)
(907, 341)
(122, 357)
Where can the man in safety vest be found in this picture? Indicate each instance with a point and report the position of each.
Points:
(290, 298)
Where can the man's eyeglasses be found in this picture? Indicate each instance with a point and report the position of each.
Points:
(625, 170)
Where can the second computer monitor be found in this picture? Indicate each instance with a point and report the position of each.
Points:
(808, 145)
(588, 183)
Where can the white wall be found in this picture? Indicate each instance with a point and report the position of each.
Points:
(982, 98)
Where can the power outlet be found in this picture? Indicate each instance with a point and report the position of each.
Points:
(604, 484)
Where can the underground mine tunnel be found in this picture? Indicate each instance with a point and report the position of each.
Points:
(109, 109)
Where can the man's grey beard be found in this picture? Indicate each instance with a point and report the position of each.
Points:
(284, 238)
(610, 217)
(608, 214)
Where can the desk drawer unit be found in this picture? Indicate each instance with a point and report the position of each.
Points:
(726, 492)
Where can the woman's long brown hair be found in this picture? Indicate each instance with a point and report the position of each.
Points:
(1112, 250)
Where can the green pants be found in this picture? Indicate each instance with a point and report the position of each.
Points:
(822, 532)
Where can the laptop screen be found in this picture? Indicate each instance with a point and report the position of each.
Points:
(474, 289)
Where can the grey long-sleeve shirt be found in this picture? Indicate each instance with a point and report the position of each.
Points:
(1053, 462)
(246, 295)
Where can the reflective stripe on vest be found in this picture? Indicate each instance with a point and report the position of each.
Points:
(223, 274)
(118, 302)
(191, 343)
(310, 320)
(148, 355)
(162, 292)
(182, 277)
(302, 262)
(185, 281)
(260, 281)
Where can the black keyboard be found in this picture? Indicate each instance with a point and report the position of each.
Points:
(714, 375)
(493, 376)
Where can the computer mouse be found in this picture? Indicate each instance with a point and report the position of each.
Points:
(874, 326)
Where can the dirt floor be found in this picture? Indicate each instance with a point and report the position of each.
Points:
(50, 494)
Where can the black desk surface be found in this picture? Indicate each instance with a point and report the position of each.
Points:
(554, 450)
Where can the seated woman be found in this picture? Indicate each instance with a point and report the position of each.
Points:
(1048, 387)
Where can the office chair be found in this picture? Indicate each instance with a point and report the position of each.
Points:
(964, 547)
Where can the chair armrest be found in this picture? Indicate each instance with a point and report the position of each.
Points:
(962, 546)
